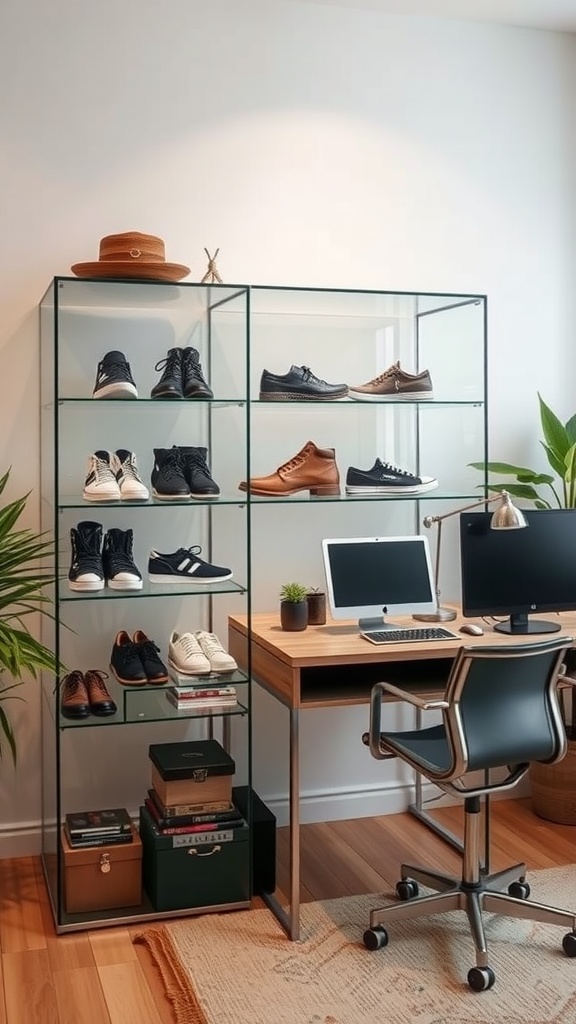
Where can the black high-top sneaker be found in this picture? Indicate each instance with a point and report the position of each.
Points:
(197, 472)
(193, 383)
(86, 571)
(118, 560)
(114, 378)
(168, 480)
(170, 383)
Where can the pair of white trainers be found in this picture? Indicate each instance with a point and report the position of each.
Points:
(114, 476)
(198, 653)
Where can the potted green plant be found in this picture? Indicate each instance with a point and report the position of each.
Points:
(316, 600)
(22, 584)
(553, 785)
(293, 607)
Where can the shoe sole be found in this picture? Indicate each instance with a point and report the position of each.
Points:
(116, 391)
(188, 672)
(199, 393)
(196, 580)
(124, 584)
(81, 586)
(101, 496)
(203, 496)
(141, 495)
(328, 490)
(170, 497)
(407, 396)
(127, 682)
(288, 396)
(174, 395)
(393, 489)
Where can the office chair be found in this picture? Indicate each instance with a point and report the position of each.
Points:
(500, 711)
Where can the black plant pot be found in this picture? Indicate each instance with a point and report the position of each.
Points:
(293, 615)
(316, 609)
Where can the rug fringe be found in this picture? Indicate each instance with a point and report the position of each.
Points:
(178, 989)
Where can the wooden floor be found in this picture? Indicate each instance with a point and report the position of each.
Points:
(100, 977)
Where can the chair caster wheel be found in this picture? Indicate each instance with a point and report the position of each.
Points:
(375, 938)
(521, 890)
(569, 944)
(407, 889)
(481, 978)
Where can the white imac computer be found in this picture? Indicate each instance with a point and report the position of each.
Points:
(370, 577)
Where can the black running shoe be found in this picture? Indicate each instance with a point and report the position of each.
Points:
(386, 479)
(197, 472)
(154, 667)
(168, 479)
(184, 566)
(170, 383)
(114, 378)
(120, 571)
(298, 385)
(86, 570)
(193, 383)
(125, 661)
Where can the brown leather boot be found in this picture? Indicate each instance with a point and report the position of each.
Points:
(74, 701)
(312, 469)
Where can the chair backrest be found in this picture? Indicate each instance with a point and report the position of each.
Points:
(503, 705)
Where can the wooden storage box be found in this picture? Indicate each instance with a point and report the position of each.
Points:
(102, 877)
(205, 869)
(195, 772)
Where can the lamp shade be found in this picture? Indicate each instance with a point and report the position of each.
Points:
(507, 516)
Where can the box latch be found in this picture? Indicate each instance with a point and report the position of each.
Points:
(105, 865)
(200, 774)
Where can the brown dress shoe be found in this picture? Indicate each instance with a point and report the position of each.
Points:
(312, 469)
(74, 701)
(101, 702)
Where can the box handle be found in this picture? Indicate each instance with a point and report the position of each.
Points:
(105, 865)
(194, 852)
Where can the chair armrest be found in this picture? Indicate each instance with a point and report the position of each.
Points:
(569, 680)
(378, 691)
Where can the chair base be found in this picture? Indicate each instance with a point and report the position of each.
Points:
(473, 898)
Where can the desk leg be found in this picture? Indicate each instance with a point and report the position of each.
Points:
(290, 919)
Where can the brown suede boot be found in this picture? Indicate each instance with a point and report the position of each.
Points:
(312, 469)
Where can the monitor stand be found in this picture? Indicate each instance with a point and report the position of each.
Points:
(375, 624)
(521, 624)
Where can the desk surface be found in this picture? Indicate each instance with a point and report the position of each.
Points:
(326, 665)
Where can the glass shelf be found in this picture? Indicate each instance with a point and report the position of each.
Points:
(378, 403)
(175, 404)
(77, 501)
(305, 498)
(150, 590)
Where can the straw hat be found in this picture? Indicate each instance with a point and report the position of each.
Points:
(132, 255)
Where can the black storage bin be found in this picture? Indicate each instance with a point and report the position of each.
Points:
(263, 839)
(198, 869)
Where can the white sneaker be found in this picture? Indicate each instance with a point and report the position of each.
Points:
(125, 467)
(219, 659)
(186, 656)
(100, 483)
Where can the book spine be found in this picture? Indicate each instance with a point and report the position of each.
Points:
(187, 829)
(100, 840)
(193, 693)
(175, 820)
(173, 810)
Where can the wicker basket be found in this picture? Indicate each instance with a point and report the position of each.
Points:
(554, 788)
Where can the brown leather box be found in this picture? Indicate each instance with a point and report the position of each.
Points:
(193, 772)
(102, 877)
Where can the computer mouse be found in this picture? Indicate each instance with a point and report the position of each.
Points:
(471, 629)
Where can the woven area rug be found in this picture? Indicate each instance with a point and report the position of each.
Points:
(239, 967)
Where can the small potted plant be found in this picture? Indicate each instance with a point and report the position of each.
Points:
(293, 607)
(316, 600)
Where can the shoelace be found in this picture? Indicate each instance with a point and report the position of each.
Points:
(211, 643)
(296, 460)
(94, 678)
(100, 467)
(90, 557)
(126, 652)
(309, 376)
(72, 683)
(191, 365)
(198, 461)
(129, 469)
(171, 464)
(171, 362)
(390, 372)
(189, 644)
(147, 649)
(393, 469)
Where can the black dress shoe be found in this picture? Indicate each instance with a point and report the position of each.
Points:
(298, 385)
(154, 667)
(101, 702)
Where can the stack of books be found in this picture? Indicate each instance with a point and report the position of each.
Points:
(184, 819)
(189, 693)
(98, 828)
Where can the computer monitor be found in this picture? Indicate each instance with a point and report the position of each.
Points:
(370, 577)
(519, 572)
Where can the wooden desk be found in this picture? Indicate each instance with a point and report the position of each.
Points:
(331, 666)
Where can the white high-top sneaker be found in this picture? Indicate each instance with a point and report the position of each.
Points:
(101, 483)
(186, 656)
(125, 468)
(220, 660)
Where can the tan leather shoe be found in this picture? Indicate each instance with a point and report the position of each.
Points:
(74, 701)
(101, 702)
(312, 469)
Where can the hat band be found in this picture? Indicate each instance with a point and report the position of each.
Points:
(132, 254)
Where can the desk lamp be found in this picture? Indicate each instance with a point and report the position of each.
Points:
(505, 517)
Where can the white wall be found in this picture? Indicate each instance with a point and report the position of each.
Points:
(315, 146)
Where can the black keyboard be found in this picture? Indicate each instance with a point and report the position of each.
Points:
(409, 636)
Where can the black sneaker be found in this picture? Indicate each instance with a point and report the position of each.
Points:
(114, 378)
(117, 558)
(86, 570)
(298, 385)
(154, 667)
(197, 472)
(170, 383)
(125, 661)
(168, 479)
(386, 479)
(184, 566)
(193, 383)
